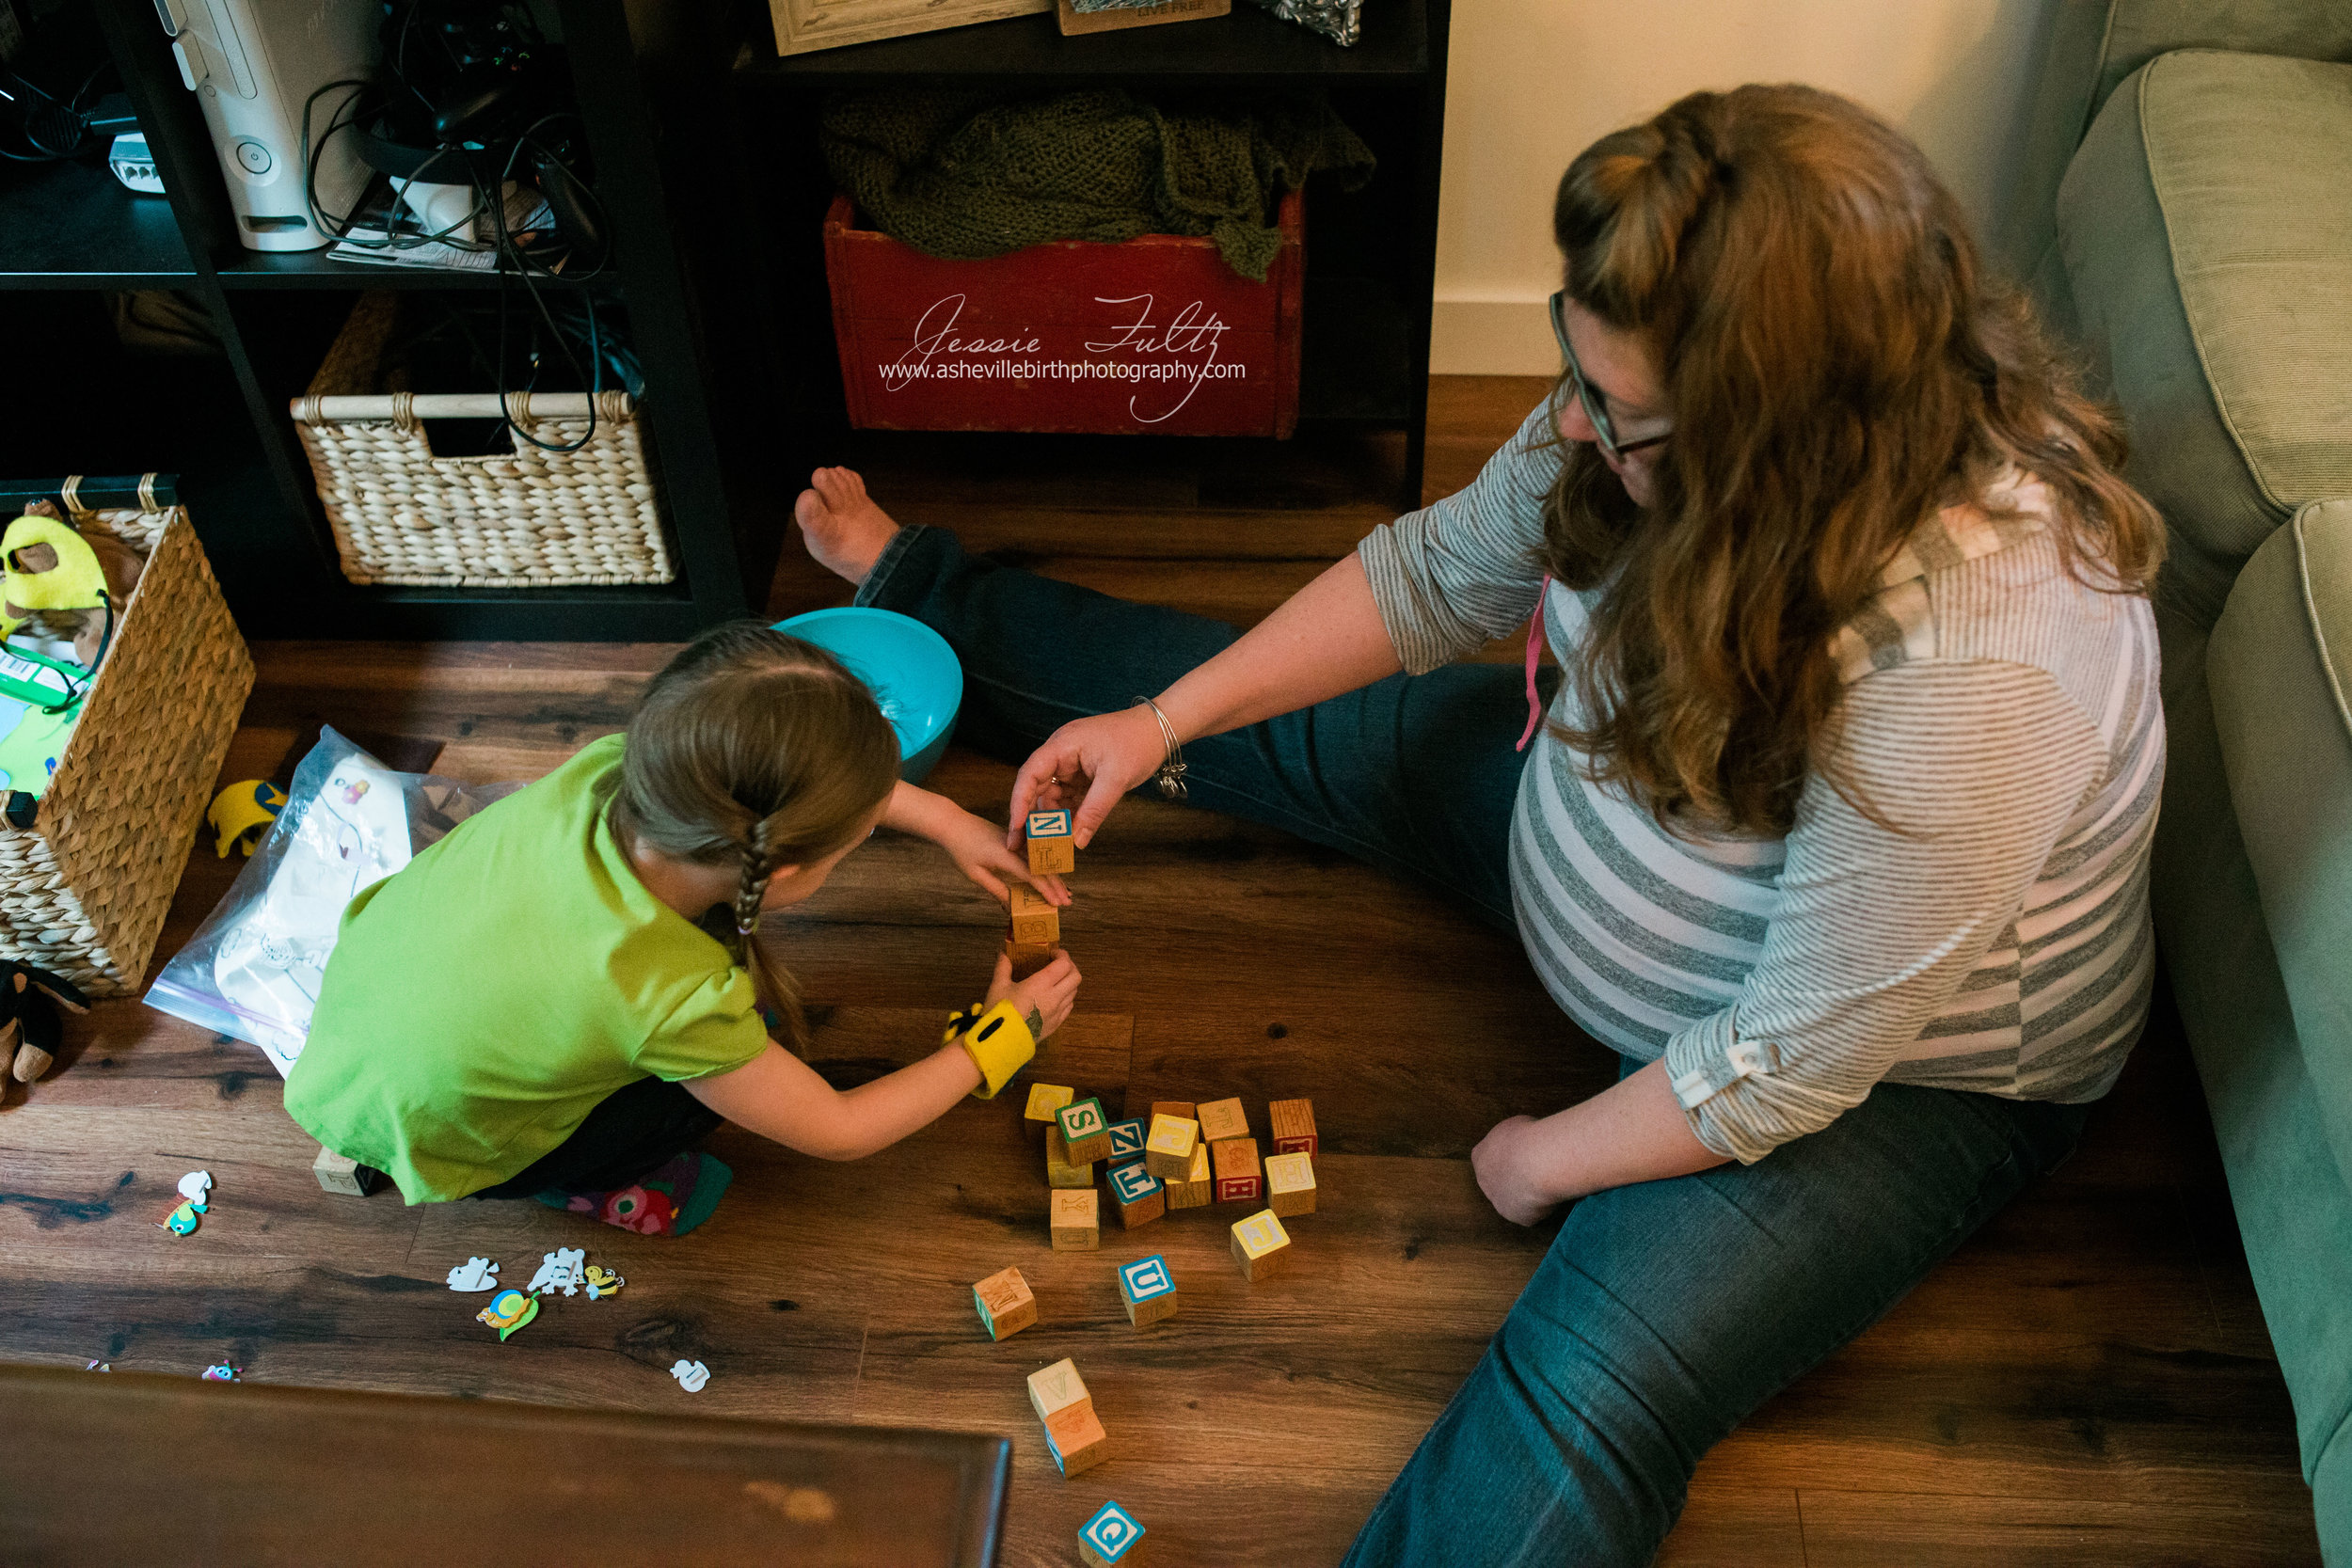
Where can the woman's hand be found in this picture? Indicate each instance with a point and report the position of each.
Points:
(1514, 1168)
(1045, 998)
(1088, 764)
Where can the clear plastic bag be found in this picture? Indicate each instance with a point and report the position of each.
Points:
(253, 968)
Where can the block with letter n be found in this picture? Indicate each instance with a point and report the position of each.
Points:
(1052, 850)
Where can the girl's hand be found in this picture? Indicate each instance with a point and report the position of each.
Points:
(1512, 1171)
(1045, 998)
(1099, 758)
(980, 854)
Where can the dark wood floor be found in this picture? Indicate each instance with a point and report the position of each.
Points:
(2086, 1382)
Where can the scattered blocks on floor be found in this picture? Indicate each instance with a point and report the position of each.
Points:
(1167, 1148)
(1035, 920)
(1075, 1221)
(1238, 1178)
(1148, 1290)
(1086, 1130)
(1004, 1303)
(338, 1175)
(1059, 1172)
(1261, 1245)
(1111, 1539)
(1027, 957)
(1126, 1142)
(1140, 1196)
(1076, 1440)
(1221, 1119)
(1052, 850)
(1290, 1184)
(1044, 1099)
(1292, 1122)
(1195, 1190)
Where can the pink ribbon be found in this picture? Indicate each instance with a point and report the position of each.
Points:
(1534, 651)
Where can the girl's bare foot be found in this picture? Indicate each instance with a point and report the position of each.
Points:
(844, 530)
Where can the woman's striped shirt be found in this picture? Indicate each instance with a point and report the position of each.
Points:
(2002, 716)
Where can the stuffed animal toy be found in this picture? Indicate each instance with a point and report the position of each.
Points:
(29, 1000)
(49, 566)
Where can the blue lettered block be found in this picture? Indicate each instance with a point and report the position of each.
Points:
(1126, 1141)
(1144, 1278)
(1049, 824)
(1133, 1183)
(1110, 1537)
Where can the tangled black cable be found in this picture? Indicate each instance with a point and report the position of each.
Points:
(54, 127)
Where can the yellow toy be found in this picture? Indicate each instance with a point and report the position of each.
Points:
(241, 813)
(45, 565)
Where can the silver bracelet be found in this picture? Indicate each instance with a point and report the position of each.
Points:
(1171, 773)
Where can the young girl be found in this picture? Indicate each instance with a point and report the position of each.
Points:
(562, 996)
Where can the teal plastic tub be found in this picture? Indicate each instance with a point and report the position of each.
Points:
(908, 667)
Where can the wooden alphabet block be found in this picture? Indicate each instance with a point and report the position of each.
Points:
(1052, 850)
(1293, 1123)
(1044, 1099)
(1126, 1142)
(1057, 1387)
(1168, 1150)
(1077, 1439)
(338, 1175)
(1004, 1303)
(1140, 1194)
(1035, 921)
(1261, 1245)
(1221, 1119)
(1086, 1129)
(1290, 1184)
(1238, 1178)
(1059, 1172)
(1148, 1290)
(1195, 1190)
(1074, 1221)
(1027, 957)
(1111, 1539)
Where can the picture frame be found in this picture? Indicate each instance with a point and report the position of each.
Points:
(803, 26)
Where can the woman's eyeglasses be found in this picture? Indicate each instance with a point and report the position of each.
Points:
(1603, 426)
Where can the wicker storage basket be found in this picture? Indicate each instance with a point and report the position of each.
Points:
(84, 891)
(528, 519)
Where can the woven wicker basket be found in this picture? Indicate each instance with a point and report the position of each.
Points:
(528, 519)
(84, 891)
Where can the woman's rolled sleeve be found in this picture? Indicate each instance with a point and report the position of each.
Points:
(1976, 769)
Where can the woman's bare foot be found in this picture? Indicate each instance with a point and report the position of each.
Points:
(844, 530)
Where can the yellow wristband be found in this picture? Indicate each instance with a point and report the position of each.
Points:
(998, 1043)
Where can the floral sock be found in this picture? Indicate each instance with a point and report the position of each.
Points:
(670, 1201)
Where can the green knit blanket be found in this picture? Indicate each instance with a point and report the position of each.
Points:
(963, 175)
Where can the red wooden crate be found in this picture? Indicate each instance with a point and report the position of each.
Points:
(1156, 336)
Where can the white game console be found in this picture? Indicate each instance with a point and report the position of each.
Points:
(253, 64)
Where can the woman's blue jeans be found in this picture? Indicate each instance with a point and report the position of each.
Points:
(1664, 1313)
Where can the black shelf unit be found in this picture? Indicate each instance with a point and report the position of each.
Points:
(71, 236)
(1371, 255)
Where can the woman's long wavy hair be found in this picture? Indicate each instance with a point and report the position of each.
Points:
(1839, 368)
(756, 751)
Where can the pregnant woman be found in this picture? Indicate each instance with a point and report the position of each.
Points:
(1835, 825)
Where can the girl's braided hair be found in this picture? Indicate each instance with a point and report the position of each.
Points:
(753, 749)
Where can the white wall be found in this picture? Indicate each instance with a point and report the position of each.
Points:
(1531, 82)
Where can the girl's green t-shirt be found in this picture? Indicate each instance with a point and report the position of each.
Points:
(482, 999)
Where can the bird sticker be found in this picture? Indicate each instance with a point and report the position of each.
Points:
(691, 1375)
(558, 1271)
(474, 1274)
(222, 1373)
(509, 1310)
(194, 1185)
(181, 1221)
(603, 1282)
